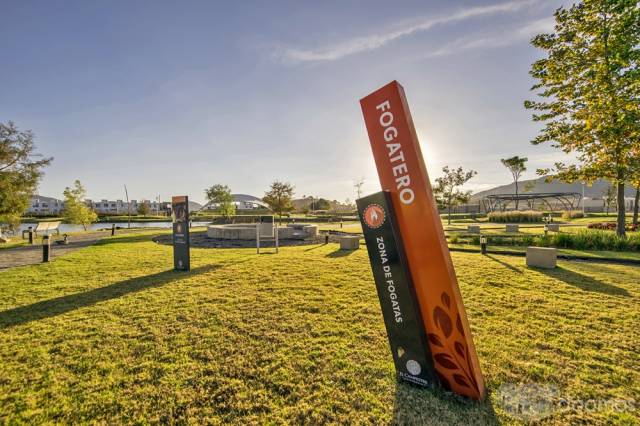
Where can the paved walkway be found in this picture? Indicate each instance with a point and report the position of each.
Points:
(29, 255)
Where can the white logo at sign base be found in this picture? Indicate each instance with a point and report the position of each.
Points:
(413, 367)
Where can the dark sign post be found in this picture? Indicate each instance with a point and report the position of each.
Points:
(397, 296)
(402, 171)
(180, 212)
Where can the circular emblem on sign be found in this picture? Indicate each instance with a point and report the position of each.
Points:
(374, 216)
(413, 367)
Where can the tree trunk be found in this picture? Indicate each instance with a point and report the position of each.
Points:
(636, 204)
(449, 215)
(620, 228)
(516, 195)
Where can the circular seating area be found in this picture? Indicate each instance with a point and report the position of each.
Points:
(248, 232)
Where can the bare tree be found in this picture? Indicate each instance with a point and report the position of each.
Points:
(358, 183)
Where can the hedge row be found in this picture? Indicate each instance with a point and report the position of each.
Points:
(587, 239)
(515, 216)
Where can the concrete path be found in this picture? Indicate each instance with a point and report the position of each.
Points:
(29, 255)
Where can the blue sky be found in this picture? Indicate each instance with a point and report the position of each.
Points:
(171, 97)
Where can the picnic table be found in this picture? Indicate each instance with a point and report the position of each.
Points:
(45, 228)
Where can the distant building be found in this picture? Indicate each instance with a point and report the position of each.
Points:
(40, 205)
(120, 207)
(243, 202)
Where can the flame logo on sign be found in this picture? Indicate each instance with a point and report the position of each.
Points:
(374, 216)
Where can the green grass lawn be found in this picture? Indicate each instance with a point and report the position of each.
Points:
(110, 334)
(14, 242)
(592, 254)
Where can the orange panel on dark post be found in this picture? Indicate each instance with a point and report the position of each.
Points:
(402, 171)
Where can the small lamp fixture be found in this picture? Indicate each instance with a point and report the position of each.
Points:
(483, 244)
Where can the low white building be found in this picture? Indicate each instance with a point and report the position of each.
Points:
(120, 207)
(40, 205)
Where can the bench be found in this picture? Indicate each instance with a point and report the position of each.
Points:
(45, 228)
(555, 227)
(512, 228)
(473, 229)
(542, 257)
(349, 242)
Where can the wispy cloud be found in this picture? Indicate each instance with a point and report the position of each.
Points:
(375, 41)
(504, 38)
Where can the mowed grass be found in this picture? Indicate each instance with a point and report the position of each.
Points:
(110, 334)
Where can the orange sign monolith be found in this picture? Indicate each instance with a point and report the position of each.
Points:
(402, 171)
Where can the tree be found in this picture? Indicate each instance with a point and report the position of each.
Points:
(143, 208)
(358, 185)
(20, 171)
(322, 204)
(528, 187)
(220, 195)
(589, 82)
(279, 197)
(446, 189)
(635, 182)
(609, 197)
(636, 206)
(516, 166)
(75, 209)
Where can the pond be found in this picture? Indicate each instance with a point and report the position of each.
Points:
(66, 228)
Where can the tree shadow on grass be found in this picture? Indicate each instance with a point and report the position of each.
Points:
(583, 282)
(503, 263)
(61, 305)
(423, 406)
(341, 253)
(120, 239)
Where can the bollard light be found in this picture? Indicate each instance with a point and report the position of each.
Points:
(483, 244)
(46, 248)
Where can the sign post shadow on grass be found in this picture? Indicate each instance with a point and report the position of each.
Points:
(181, 243)
(416, 230)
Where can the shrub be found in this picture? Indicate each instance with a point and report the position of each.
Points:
(609, 226)
(572, 214)
(594, 240)
(515, 216)
(462, 216)
(454, 239)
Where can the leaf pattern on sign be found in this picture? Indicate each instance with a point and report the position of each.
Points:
(473, 379)
(446, 361)
(442, 320)
(459, 325)
(435, 340)
(461, 380)
(451, 354)
(446, 300)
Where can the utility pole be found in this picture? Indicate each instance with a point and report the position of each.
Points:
(126, 193)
